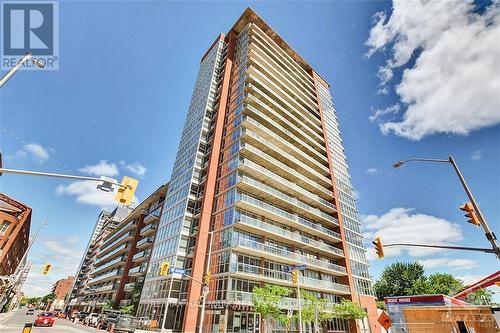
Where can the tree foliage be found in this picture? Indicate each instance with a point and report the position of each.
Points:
(266, 302)
(398, 279)
(348, 310)
(481, 297)
(128, 310)
(404, 279)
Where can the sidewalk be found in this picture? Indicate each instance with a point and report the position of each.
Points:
(4, 316)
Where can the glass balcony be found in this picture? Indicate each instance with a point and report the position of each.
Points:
(129, 286)
(310, 197)
(286, 217)
(107, 265)
(108, 247)
(145, 241)
(102, 278)
(266, 145)
(286, 278)
(301, 179)
(148, 229)
(109, 255)
(285, 234)
(282, 255)
(137, 270)
(143, 255)
(154, 215)
(281, 142)
(288, 199)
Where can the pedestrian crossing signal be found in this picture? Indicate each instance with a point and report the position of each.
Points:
(164, 268)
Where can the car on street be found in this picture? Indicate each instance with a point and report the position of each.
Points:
(91, 320)
(30, 311)
(45, 319)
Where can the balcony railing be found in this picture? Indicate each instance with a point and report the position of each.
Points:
(154, 214)
(284, 254)
(112, 253)
(107, 265)
(287, 183)
(142, 255)
(288, 199)
(245, 219)
(129, 286)
(106, 248)
(288, 216)
(148, 229)
(286, 278)
(137, 270)
(106, 276)
(145, 241)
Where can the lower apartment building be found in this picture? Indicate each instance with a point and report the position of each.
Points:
(122, 257)
(106, 223)
(60, 289)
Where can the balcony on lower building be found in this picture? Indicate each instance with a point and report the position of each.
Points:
(142, 256)
(148, 241)
(149, 229)
(136, 271)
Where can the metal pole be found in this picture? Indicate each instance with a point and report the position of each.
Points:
(40, 225)
(300, 307)
(168, 303)
(14, 69)
(443, 247)
(207, 269)
(489, 234)
(60, 175)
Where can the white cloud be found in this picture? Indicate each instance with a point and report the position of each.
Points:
(36, 151)
(103, 168)
(453, 86)
(137, 169)
(87, 193)
(385, 74)
(393, 109)
(454, 264)
(399, 225)
(64, 256)
(371, 171)
(477, 155)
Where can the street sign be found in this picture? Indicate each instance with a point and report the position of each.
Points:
(385, 320)
(205, 290)
(288, 269)
(175, 270)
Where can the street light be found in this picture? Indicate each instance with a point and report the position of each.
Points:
(19, 64)
(490, 235)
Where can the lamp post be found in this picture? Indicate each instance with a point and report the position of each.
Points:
(490, 235)
(19, 64)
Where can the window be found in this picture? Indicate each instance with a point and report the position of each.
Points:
(3, 227)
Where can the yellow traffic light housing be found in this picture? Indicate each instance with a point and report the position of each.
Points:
(295, 277)
(164, 267)
(46, 269)
(206, 278)
(378, 247)
(125, 193)
(471, 214)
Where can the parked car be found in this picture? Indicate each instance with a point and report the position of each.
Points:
(80, 317)
(91, 320)
(30, 311)
(45, 319)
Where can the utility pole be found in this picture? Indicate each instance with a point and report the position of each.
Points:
(205, 288)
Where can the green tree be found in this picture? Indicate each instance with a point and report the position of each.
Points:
(266, 302)
(443, 283)
(481, 297)
(108, 305)
(48, 298)
(128, 310)
(347, 310)
(398, 279)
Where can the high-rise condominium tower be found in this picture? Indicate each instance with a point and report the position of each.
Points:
(261, 164)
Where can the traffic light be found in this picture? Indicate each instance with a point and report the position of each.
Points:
(471, 213)
(124, 195)
(164, 268)
(295, 277)
(46, 269)
(378, 247)
(206, 278)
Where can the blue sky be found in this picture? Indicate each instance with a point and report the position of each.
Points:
(126, 73)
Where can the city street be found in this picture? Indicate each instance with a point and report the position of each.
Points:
(14, 323)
